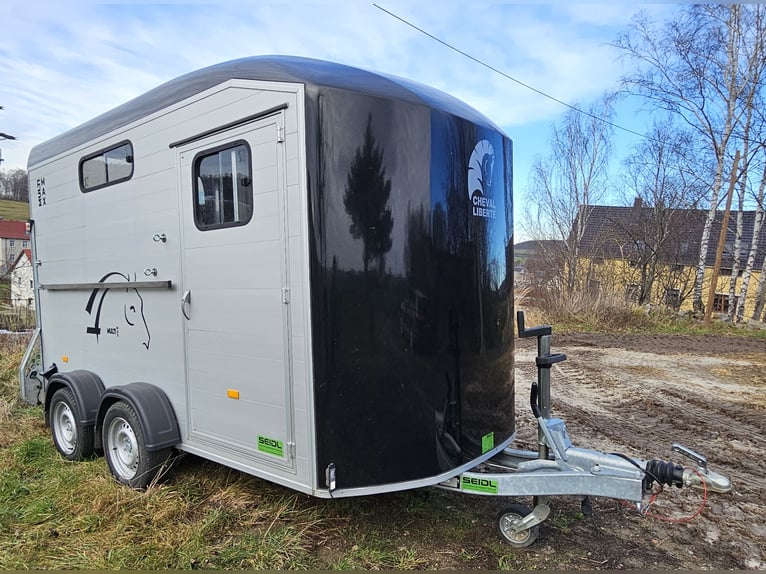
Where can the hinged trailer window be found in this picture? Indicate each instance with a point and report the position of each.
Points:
(106, 167)
(223, 187)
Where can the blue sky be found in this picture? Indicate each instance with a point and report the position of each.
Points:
(62, 63)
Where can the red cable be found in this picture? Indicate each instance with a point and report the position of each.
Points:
(686, 518)
(661, 518)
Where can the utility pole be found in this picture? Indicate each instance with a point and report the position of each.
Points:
(4, 137)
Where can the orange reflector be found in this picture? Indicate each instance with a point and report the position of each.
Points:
(233, 394)
(65, 358)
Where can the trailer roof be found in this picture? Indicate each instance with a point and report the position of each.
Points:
(268, 68)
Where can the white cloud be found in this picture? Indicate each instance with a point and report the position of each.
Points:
(63, 63)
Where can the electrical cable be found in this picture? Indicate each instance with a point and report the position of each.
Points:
(516, 80)
(638, 466)
(506, 75)
(684, 518)
(648, 512)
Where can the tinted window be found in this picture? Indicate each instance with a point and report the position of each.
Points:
(106, 167)
(223, 187)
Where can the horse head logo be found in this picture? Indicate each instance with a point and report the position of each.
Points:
(125, 308)
(480, 168)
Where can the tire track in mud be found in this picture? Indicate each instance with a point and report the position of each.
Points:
(637, 399)
(755, 427)
(662, 418)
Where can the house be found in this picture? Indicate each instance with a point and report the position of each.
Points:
(13, 239)
(22, 281)
(650, 254)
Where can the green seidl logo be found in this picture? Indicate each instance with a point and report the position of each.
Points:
(476, 484)
(270, 446)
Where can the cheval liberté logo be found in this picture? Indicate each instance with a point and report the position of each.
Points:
(480, 168)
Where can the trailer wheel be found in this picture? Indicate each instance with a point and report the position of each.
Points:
(124, 448)
(72, 439)
(507, 518)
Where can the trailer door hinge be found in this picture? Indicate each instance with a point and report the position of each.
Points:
(280, 134)
(285, 295)
(291, 450)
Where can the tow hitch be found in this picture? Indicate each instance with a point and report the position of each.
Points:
(558, 468)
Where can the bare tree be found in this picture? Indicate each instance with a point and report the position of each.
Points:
(752, 145)
(760, 296)
(14, 185)
(696, 67)
(570, 179)
(753, 252)
(660, 175)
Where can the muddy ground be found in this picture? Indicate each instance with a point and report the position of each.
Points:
(637, 394)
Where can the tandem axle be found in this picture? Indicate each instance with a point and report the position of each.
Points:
(558, 468)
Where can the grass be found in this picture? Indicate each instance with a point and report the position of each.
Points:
(55, 514)
(581, 313)
(14, 210)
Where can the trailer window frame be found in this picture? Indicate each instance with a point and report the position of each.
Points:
(237, 221)
(128, 158)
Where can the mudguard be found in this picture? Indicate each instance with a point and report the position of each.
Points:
(87, 388)
(158, 420)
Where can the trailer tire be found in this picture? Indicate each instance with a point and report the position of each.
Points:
(507, 518)
(125, 448)
(73, 439)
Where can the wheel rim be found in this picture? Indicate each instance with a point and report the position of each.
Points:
(507, 522)
(65, 427)
(123, 448)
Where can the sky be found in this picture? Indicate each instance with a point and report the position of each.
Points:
(62, 63)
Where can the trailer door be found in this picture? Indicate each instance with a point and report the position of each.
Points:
(234, 298)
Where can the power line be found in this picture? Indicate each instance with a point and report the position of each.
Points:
(506, 75)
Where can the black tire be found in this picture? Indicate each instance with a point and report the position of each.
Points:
(125, 448)
(510, 515)
(72, 439)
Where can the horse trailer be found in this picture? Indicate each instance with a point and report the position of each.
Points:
(303, 271)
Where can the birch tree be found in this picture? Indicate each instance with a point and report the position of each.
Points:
(572, 178)
(693, 68)
(753, 138)
(752, 254)
(660, 176)
(760, 296)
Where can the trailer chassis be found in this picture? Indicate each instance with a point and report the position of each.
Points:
(558, 468)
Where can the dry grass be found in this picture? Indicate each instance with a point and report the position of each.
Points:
(590, 312)
(56, 514)
(60, 515)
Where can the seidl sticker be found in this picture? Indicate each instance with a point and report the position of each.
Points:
(270, 446)
(476, 484)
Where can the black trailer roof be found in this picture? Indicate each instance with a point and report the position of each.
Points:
(268, 68)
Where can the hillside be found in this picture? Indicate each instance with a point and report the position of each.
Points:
(14, 210)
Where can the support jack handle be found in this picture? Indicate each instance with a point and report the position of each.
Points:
(539, 331)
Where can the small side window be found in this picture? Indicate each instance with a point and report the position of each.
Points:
(223, 187)
(106, 167)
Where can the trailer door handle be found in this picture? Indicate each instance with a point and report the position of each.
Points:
(186, 302)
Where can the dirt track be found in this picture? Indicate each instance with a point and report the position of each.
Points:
(637, 394)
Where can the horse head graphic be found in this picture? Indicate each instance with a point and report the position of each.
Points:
(125, 305)
(480, 167)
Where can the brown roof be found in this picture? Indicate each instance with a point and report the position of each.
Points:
(13, 229)
(619, 232)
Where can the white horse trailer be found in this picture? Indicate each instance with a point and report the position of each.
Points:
(300, 270)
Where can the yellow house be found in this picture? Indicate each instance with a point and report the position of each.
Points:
(649, 255)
